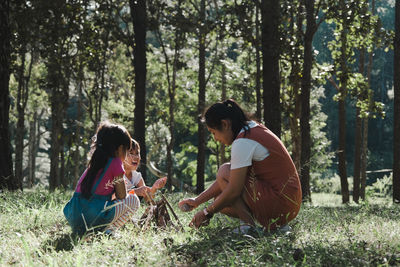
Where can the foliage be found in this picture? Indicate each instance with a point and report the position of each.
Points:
(383, 187)
(34, 232)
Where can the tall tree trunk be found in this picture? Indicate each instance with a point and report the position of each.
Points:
(369, 98)
(20, 130)
(343, 77)
(139, 18)
(270, 16)
(305, 101)
(56, 124)
(32, 149)
(22, 101)
(258, 66)
(358, 138)
(201, 101)
(222, 158)
(295, 80)
(76, 138)
(6, 169)
(396, 121)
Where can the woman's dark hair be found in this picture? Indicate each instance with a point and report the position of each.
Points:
(109, 137)
(227, 110)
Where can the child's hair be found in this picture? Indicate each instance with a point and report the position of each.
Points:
(109, 137)
(226, 110)
(135, 145)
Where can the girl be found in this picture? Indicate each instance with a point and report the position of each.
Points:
(91, 206)
(259, 184)
(133, 179)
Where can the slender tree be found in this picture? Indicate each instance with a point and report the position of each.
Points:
(139, 19)
(270, 16)
(6, 168)
(396, 121)
(305, 99)
(201, 149)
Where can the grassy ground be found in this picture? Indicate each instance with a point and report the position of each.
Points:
(33, 232)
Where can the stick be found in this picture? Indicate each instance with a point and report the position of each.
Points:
(151, 199)
(173, 212)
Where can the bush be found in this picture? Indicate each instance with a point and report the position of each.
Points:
(382, 187)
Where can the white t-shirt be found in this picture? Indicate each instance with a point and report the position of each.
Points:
(245, 150)
(131, 183)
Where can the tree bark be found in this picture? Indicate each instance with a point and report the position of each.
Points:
(32, 149)
(6, 169)
(258, 66)
(396, 121)
(201, 101)
(222, 158)
(305, 101)
(358, 138)
(270, 16)
(343, 77)
(139, 18)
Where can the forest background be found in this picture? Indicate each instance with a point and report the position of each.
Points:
(320, 74)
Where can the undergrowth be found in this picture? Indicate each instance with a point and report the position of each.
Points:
(33, 232)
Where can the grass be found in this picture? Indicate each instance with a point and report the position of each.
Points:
(33, 232)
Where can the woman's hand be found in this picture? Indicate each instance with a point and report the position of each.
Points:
(188, 204)
(199, 219)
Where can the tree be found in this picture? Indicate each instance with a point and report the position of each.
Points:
(6, 169)
(175, 42)
(139, 19)
(396, 121)
(24, 50)
(270, 16)
(311, 14)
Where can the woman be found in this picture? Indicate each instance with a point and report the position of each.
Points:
(259, 184)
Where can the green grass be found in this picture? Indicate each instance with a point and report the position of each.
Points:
(33, 232)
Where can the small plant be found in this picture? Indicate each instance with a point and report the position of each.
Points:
(382, 187)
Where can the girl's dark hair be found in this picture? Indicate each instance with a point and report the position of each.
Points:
(227, 110)
(105, 144)
(135, 145)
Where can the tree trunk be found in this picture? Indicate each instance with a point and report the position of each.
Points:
(305, 101)
(222, 158)
(258, 66)
(32, 149)
(201, 101)
(358, 138)
(270, 16)
(76, 138)
(20, 130)
(6, 169)
(139, 19)
(364, 157)
(294, 106)
(396, 121)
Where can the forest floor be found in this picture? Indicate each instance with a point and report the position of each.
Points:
(33, 232)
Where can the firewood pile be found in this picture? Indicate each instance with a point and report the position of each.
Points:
(157, 214)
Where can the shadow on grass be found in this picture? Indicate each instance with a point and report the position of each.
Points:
(62, 242)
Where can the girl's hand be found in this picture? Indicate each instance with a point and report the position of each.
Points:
(188, 204)
(160, 183)
(199, 219)
(141, 191)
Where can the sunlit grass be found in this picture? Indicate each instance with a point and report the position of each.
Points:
(33, 232)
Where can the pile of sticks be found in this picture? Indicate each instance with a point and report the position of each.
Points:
(158, 213)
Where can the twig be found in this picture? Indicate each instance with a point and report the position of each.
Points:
(173, 212)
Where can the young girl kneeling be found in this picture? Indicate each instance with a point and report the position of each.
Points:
(92, 207)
